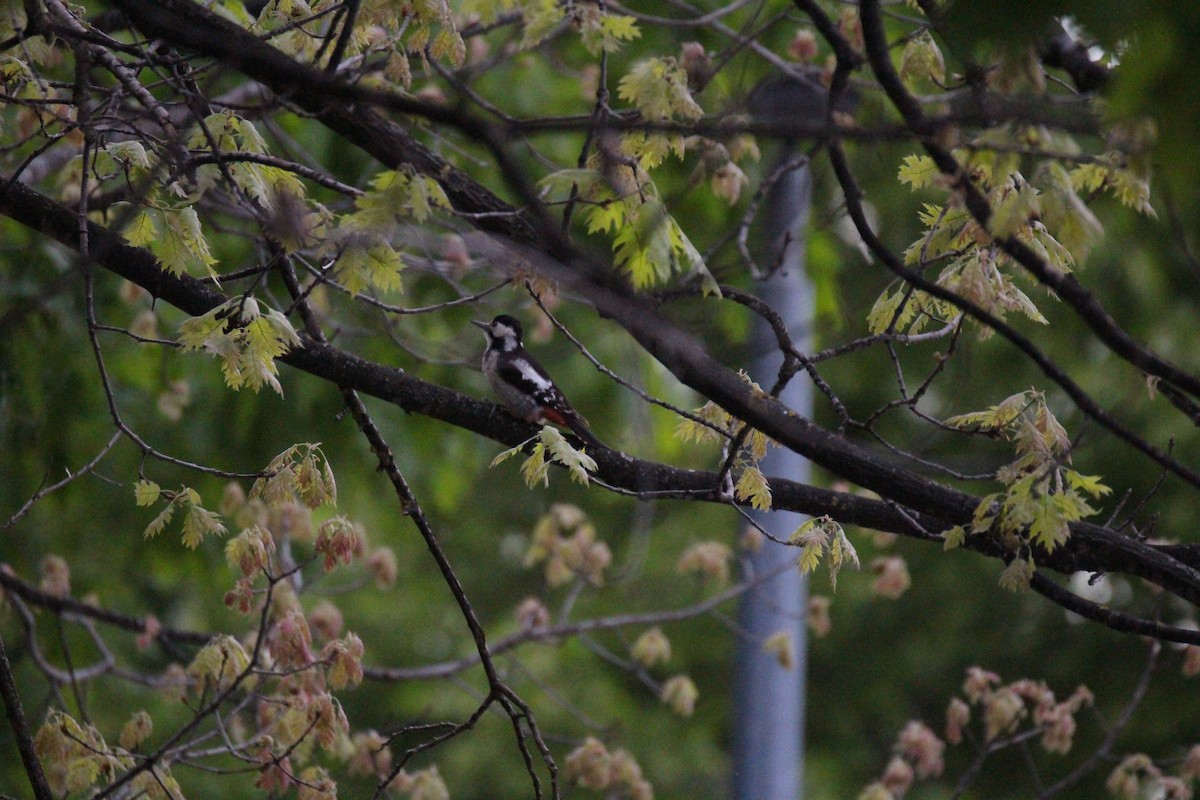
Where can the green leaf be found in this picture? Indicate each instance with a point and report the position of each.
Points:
(561, 182)
(954, 537)
(1089, 177)
(1086, 483)
(1049, 524)
(181, 247)
(985, 515)
(509, 453)
(607, 216)
(606, 32)
(752, 487)
(1066, 215)
(246, 340)
(881, 315)
(363, 266)
(160, 522)
(918, 171)
(448, 45)
(1051, 251)
(199, 522)
(397, 194)
(541, 18)
(536, 469)
(146, 493)
(578, 463)
(143, 228)
(995, 418)
(1132, 190)
(219, 663)
(812, 537)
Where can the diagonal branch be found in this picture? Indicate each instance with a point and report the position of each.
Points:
(16, 721)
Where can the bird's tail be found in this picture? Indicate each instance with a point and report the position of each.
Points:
(580, 429)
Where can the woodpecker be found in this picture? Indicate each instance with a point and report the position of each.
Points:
(522, 384)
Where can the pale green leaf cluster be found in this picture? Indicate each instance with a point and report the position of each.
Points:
(657, 88)
(1045, 214)
(365, 259)
(175, 238)
(146, 493)
(679, 693)
(1017, 575)
(895, 309)
(1065, 212)
(167, 223)
(647, 241)
(689, 430)
(198, 521)
(1042, 495)
(541, 18)
(127, 161)
(918, 172)
(1127, 179)
(954, 537)
(300, 474)
(366, 264)
(751, 486)
(823, 537)
(396, 195)
(74, 756)
(15, 22)
(566, 543)
(922, 63)
(488, 11)
(246, 340)
(550, 447)
(136, 730)
(343, 659)
(604, 32)
(425, 28)
(250, 551)
(219, 664)
(289, 22)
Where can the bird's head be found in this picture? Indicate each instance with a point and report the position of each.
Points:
(503, 332)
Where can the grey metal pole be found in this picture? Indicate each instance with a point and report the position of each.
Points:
(769, 699)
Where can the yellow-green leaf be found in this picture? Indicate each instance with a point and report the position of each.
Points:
(146, 493)
(954, 537)
(918, 171)
(1086, 483)
(752, 487)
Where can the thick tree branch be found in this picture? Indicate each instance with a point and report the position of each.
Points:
(933, 507)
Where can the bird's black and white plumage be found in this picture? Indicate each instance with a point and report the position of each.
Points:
(522, 384)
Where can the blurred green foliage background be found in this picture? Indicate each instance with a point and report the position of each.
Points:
(885, 661)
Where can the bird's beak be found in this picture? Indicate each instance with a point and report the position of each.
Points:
(479, 324)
